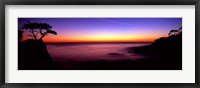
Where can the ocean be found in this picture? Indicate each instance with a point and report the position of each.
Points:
(63, 52)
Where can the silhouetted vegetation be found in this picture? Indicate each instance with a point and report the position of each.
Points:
(38, 30)
(33, 54)
(166, 50)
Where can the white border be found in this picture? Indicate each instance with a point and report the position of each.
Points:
(187, 75)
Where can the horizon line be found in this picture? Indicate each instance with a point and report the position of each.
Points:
(97, 42)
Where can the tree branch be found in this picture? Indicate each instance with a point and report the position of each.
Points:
(43, 35)
(35, 37)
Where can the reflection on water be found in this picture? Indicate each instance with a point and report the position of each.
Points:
(91, 51)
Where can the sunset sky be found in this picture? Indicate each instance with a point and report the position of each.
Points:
(106, 29)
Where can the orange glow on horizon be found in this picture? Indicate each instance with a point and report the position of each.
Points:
(139, 37)
(102, 38)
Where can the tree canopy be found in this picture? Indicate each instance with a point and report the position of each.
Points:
(38, 30)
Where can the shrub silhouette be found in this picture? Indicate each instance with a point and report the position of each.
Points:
(175, 32)
(38, 30)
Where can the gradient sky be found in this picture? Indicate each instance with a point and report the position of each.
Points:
(106, 29)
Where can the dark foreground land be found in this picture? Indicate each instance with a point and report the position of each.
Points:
(163, 54)
(33, 55)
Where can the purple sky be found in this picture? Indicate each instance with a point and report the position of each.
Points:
(106, 29)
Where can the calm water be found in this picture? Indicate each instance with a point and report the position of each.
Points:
(87, 52)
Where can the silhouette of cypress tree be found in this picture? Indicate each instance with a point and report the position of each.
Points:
(38, 30)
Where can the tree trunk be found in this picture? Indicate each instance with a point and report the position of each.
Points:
(34, 36)
(43, 35)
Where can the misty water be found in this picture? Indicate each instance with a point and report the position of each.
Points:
(92, 51)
